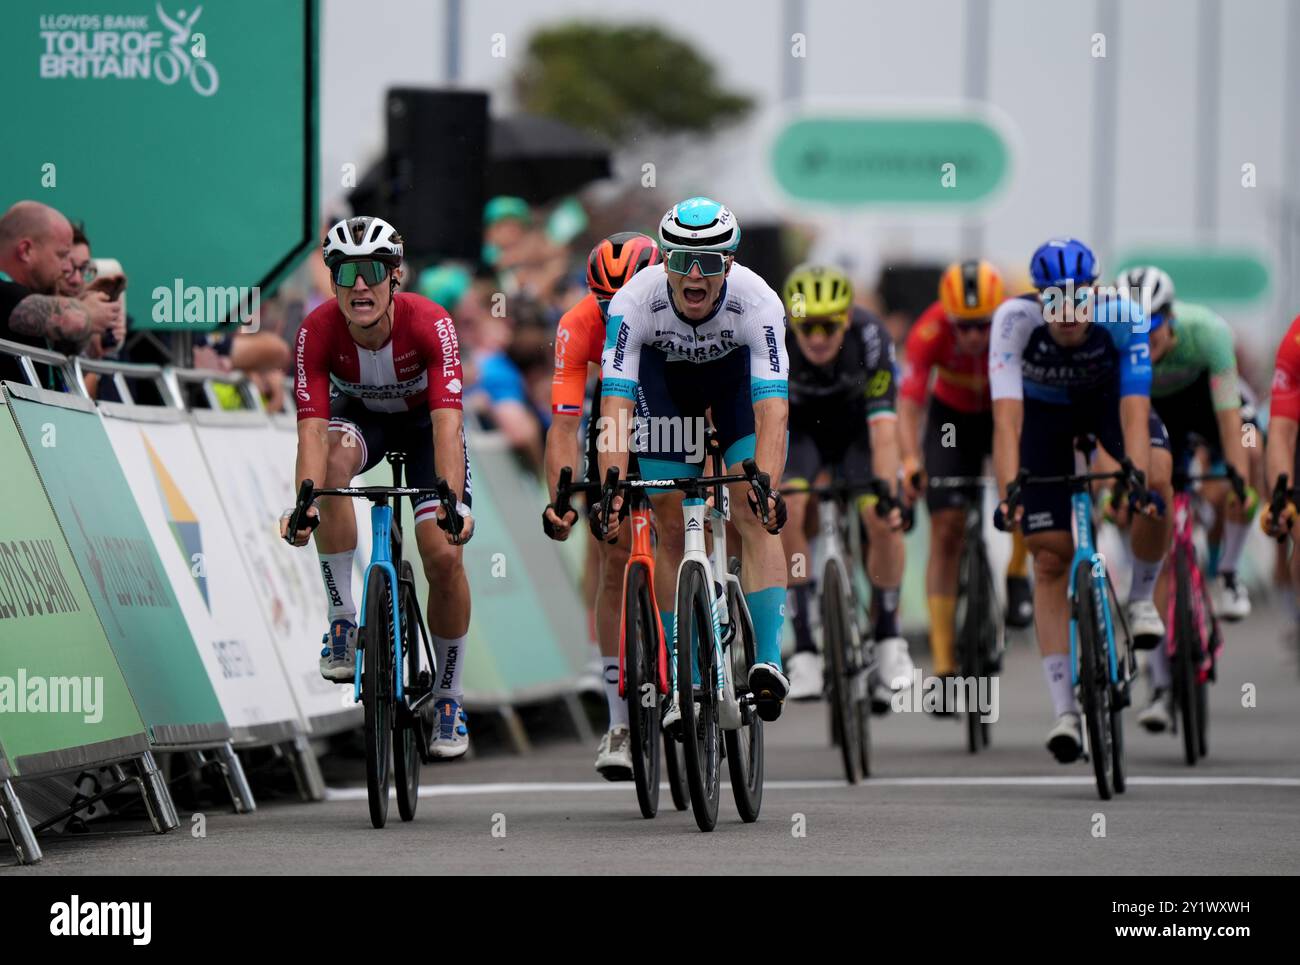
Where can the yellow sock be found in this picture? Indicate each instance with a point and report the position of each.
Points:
(1018, 565)
(943, 611)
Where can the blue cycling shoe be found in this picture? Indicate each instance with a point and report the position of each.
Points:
(451, 732)
(338, 656)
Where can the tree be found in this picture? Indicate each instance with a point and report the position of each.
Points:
(623, 81)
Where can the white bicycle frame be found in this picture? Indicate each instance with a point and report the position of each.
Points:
(830, 546)
(695, 511)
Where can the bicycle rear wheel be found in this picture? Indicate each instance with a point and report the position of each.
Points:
(744, 745)
(675, 766)
(406, 757)
(641, 682)
(1186, 660)
(1094, 679)
(835, 643)
(376, 643)
(701, 735)
(972, 609)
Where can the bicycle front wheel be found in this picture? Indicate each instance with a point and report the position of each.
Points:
(376, 643)
(835, 643)
(1186, 662)
(1094, 678)
(701, 734)
(641, 641)
(406, 759)
(744, 745)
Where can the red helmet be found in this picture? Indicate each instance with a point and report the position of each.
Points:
(616, 259)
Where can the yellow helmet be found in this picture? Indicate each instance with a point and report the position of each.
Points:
(818, 291)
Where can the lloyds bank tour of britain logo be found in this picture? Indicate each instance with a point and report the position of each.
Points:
(127, 47)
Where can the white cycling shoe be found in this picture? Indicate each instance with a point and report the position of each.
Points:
(1232, 602)
(1155, 717)
(1145, 624)
(451, 729)
(893, 672)
(1065, 739)
(338, 655)
(614, 756)
(806, 678)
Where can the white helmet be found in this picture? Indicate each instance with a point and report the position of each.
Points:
(361, 237)
(1152, 288)
(700, 224)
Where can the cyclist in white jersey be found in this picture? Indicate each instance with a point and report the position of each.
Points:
(699, 334)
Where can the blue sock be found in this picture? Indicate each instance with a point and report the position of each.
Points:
(767, 609)
(1213, 557)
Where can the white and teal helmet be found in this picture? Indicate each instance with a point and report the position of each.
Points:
(700, 224)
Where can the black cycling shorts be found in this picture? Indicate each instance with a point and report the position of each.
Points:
(956, 444)
(846, 457)
(1190, 412)
(379, 433)
(1047, 449)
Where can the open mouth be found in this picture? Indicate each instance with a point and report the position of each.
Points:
(362, 303)
(694, 294)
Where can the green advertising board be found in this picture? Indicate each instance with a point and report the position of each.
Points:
(886, 158)
(63, 700)
(1224, 275)
(120, 566)
(183, 136)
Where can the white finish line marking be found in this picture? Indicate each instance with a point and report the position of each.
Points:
(623, 787)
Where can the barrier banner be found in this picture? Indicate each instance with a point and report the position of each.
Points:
(63, 700)
(513, 653)
(115, 554)
(252, 467)
(165, 469)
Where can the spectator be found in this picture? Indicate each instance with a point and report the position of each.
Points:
(73, 284)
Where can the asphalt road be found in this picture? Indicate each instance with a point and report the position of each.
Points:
(929, 808)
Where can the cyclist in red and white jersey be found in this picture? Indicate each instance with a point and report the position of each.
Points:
(378, 371)
(1283, 428)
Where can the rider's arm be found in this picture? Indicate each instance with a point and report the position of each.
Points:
(918, 361)
(1011, 330)
(769, 384)
(1284, 408)
(449, 448)
(442, 362)
(313, 452)
(620, 370)
(771, 416)
(1134, 392)
(1280, 458)
(562, 449)
(1226, 395)
(312, 392)
(576, 346)
(882, 393)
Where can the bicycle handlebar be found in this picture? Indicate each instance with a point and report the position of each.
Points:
(452, 522)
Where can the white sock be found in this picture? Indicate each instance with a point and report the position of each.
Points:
(594, 656)
(1056, 671)
(1144, 579)
(336, 572)
(451, 659)
(1234, 541)
(1158, 664)
(617, 705)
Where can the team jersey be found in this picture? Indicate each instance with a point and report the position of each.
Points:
(418, 365)
(748, 315)
(858, 386)
(579, 341)
(1285, 400)
(1025, 362)
(961, 381)
(1203, 343)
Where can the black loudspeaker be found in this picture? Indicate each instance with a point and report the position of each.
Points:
(761, 252)
(437, 158)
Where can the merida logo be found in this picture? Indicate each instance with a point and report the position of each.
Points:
(773, 352)
(620, 347)
(102, 918)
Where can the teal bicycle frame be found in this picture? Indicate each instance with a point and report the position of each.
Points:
(381, 556)
(1084, 551)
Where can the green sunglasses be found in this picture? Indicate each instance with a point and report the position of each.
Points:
(345, 272)
(680, 261)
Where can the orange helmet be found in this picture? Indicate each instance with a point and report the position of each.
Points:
(616, 259)
(970, 289)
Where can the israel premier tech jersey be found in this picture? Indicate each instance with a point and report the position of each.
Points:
(748, 315)
(1025, 362)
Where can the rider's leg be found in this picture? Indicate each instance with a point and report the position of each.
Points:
(1053, 551)
(668, 551)
(886, 559)
(947, 534)
(794, 543)
(612, 565)
(336, 537)
(449, 602)
(1152, 534)
(762, 574)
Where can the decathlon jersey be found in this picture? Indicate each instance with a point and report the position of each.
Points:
(1284, 400)
(857, 386)
(1025, 362)
(748, 315)
(418, 365)
(961, 381)
(1202, 344)
(579, 341)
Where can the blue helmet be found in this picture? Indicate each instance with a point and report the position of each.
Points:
(1059, 260)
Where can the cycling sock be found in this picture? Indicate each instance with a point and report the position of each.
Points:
(1144, 579)
(1234, 541)
(1018, 565)
(942, 631)
(800, 600)
(450, 653)
(336, 571)
(1056, 671)
(669, 619)
(617, 705)
(1216, 555)
(1158, 664)
(767, 610)
(886, 600)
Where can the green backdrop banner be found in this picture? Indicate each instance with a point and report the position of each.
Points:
(61, 690)
(184, 136)
(115, 554)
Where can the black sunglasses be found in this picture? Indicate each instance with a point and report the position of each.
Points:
(345, 272)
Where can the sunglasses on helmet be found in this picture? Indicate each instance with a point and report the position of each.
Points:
(345, 272)
(710, 263)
